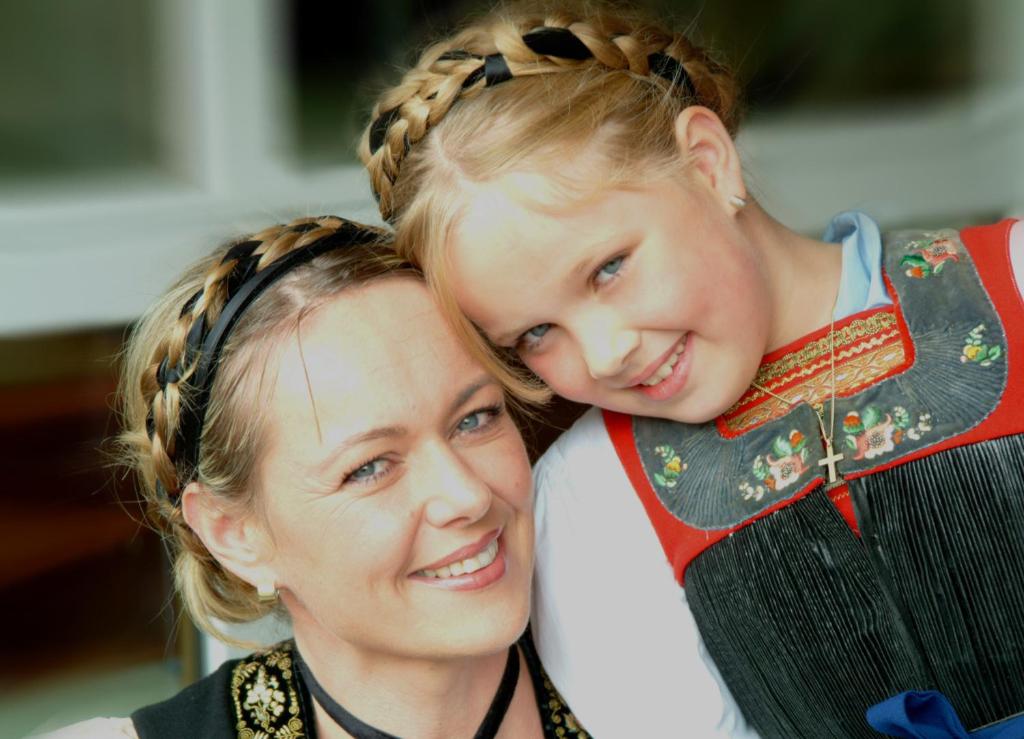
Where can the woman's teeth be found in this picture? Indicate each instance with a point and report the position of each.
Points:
(465, 566)
(666, 369)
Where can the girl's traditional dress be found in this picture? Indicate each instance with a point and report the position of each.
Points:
(804, 603)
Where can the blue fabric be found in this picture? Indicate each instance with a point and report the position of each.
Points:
(861, 286)
(929, 715)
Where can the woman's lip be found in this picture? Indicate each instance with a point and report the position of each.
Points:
(472, 580)
(653, 366)
(470, 550)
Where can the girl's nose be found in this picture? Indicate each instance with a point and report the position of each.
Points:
(607, 347)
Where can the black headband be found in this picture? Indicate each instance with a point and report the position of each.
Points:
(555, 42)
(204, 343)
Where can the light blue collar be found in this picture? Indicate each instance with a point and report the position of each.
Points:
(861, 286)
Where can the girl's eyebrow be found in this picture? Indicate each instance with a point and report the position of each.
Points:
(596, 252)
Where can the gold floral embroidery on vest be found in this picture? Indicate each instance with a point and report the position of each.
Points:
(867, 349)
(266, 697)
(559, 717)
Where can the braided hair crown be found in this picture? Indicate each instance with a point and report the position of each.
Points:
(515, 45)
(194, 370)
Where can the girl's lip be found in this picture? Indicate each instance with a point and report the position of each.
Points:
(653, 366)
(470, 550)
(473, 580)
(672, 384)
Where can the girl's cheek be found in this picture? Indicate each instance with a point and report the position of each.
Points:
(548, 366)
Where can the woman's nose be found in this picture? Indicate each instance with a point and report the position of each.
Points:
(457, 494)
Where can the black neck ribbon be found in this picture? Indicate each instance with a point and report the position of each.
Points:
(361, 730)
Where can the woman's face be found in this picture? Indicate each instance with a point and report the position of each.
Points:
(395, 487)
(648, 301)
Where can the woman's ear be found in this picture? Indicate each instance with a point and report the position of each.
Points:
(235, 538)
(704, 143)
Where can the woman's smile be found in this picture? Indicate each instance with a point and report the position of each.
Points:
(472, 572)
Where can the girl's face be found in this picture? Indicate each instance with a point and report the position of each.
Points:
(648, 301)
(394, 486)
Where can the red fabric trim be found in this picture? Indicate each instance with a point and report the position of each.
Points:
(841, 499)
(796, 379)
(989, 248)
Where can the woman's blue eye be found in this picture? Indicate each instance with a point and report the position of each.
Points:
(608, 269)
(478, 419)
(368, 471)
(470, 422)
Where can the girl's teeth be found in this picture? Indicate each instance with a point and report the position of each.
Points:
(465, 566)
(666, 369)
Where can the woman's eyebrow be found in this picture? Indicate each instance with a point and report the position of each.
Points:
(381, 432)
(392, 432)
(470, 390)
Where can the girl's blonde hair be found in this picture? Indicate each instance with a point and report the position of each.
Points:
(529, 91)
(153, 403)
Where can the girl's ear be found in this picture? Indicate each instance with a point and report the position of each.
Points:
(236, 539)
(705, 144)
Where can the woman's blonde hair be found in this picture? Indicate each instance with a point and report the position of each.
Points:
(155, 401)
(529, 91)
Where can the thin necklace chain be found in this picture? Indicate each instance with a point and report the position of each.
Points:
(832, 405)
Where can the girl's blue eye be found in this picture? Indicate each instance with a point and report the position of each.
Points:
(532, 337)
(537, 331)
(609, 269)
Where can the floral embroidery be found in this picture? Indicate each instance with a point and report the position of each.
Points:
(780, 468)
(263, 698)
(976, 350)
(672, 469)
(871, 434)
(930, 259)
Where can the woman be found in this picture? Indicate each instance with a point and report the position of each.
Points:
(310, 437)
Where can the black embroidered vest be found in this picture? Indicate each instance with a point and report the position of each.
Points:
(262, 697)
(817, 604)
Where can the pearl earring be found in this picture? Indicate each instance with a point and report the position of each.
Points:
(737, 201)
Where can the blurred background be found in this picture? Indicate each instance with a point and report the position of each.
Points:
(136, 134)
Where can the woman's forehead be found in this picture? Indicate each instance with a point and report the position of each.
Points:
(374, 351)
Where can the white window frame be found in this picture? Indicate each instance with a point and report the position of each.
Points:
(80, 255)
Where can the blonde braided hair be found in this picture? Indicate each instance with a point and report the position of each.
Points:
(533, 89)
(530, 45)
(156, 393)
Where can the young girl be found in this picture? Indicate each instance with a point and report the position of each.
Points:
(822, 438)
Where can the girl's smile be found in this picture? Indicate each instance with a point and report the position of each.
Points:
(648, 300)
(670, 374)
